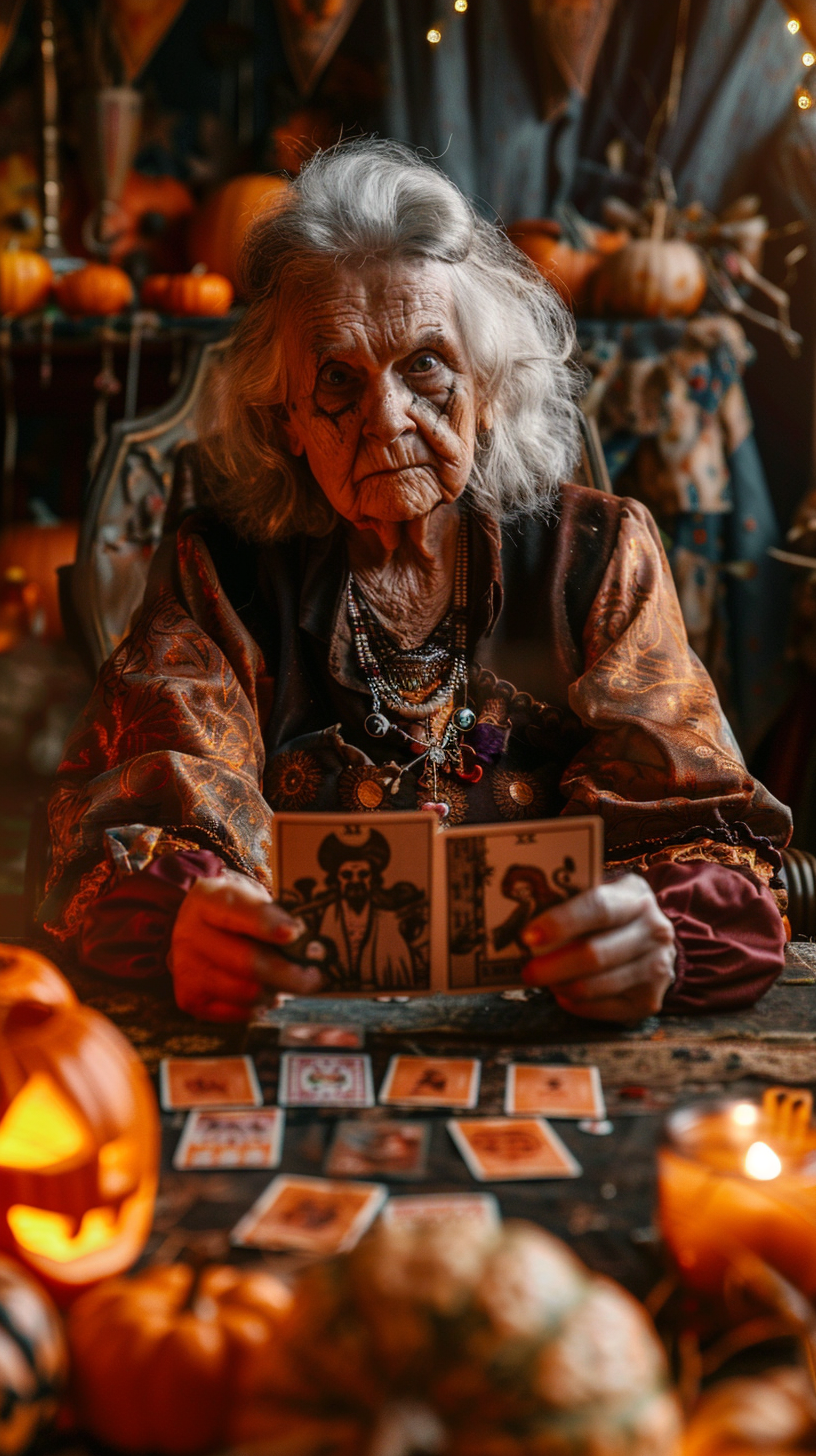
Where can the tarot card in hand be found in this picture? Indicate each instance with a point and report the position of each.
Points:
(328, 1079)
(231, 1139)
(499, 877)
(362, 885)
(553, 1091)
(379, 1150)
(186, 1082)
(431, 1082)
(313, 1214)
(504, 1149)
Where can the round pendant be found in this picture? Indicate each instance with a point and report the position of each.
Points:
(376, 725)
(464, 719)
(441, 810)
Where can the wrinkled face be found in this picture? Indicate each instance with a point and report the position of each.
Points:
(381, 398)
(354, 879)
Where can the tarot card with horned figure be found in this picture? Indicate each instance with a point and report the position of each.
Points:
(362, 886)
(498, 878)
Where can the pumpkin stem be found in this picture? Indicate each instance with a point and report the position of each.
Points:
(660, 210)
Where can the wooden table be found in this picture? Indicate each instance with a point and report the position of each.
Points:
(606, 1215)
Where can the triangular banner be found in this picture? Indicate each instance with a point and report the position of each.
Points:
(139, 27)
(311, 31)
(568, 39)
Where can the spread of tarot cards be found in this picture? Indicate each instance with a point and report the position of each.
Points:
(394, 903)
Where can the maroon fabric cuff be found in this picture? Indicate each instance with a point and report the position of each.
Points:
(127, 931)
(729, 935)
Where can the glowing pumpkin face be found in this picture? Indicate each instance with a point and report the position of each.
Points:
(78, 1140)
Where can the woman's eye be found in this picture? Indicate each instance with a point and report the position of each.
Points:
(335, 376)
(424, 363)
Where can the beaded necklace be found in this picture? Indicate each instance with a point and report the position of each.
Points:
(442, 748)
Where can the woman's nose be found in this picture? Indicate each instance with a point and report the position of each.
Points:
(385, 411)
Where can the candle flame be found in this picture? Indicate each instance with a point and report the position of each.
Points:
(745, 1114)
(762, 1162)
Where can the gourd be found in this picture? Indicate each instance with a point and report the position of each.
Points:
(25, 281)
(196, 294)
(772, 1414)
(651, 277)
(217, 230)
(180, 1362)
(79, 1134)
(39, 551)
(568, 268)
(33, 1359)
(512, 1345)
(98, 289)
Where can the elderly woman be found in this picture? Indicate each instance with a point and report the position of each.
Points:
(392, 602)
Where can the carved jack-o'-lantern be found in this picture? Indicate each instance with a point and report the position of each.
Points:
(78, 1132)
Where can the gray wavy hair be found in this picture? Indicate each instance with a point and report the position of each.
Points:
(376, 200)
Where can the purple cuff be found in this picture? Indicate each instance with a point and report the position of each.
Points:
(127, 931)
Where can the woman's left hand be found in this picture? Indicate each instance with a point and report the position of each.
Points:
(607, 953)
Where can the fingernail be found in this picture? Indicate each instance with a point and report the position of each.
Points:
(534, 935)
(287, 934)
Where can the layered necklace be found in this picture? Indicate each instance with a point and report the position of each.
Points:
(426, 684)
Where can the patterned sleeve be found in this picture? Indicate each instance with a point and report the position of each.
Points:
(661, 766)
(168, 755)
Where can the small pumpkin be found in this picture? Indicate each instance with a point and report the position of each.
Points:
(567, 268)
(40, 551)
(514, 1346)
(25, 281)
(79, 1135)
(217, 230)
(180, 1362)
(98, 289)
(33, 1359)
(772, 1414)
(196, 294)
(25, 975)
(655, 277)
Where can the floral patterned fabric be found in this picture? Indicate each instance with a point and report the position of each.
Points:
(229, 666)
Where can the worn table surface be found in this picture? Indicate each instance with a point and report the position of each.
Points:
(606, 1215)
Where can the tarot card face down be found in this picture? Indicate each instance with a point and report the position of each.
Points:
(312, 1079)
(499, 878)
(311, 1214)
(431, 1082)
(186, 1082)
(379, 1150)
(362, 885)
(231, 1140)
(554, 1091)
(504, 1149)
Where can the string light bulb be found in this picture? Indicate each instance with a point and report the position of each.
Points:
(809, 59)
(460, 5)
(794, 26)
(804, 100)
(434, 35)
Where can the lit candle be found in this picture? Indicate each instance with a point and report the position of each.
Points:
(740, 1175)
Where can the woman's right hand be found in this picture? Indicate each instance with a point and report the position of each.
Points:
(222, 949)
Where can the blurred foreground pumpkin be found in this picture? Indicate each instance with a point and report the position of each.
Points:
(507, 1340)
(774, 1414)
(79, 1133)
(33, 1359)
(175, 1362)
(217, 229)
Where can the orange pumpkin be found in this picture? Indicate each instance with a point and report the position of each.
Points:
(763, 1415)
(39, 550)
(155, 212)
(195, 294)
(79, 1135)
(651, 278)
(568, 269)
(175, 1362)
(25, 281)
(98, 289)
(218, 228)
(25, 975)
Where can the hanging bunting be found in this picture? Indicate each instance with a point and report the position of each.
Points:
(568, 35)
(139, 27)
(311, 31)
(9, 15)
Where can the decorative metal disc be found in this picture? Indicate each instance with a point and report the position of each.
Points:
(464, 719)
(376, 725)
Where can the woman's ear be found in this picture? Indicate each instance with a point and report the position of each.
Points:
(290, 426)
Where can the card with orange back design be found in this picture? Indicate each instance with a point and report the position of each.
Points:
(553, 1091)
(188, 1082)
(504, 1149)
(431, 1082)
(313, 1214)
